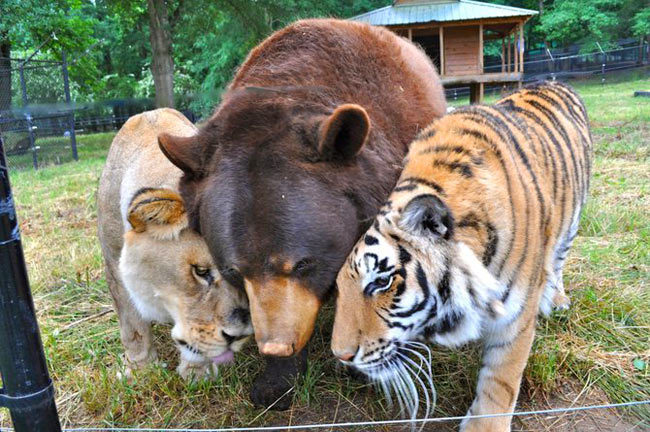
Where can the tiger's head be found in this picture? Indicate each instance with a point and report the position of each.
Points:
(410, 278)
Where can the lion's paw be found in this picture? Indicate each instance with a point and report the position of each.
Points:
(197, 371)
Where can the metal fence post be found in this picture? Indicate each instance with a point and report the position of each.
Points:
(28, 117)
(66, 87)
(28, 391)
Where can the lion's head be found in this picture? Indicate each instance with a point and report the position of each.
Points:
(169, 273)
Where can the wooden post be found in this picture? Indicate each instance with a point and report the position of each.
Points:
(410, 34)
(503, 55)
(521, 47)
(480, 48)
(515, 51)
(475, 93)
(442, 51)
(508, 63)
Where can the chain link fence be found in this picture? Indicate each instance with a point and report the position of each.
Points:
(568, 63)
(36, 118)
(39, 123)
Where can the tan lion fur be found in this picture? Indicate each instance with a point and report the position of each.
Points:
(151, 255)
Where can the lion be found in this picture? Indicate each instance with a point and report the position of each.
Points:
(158, 269)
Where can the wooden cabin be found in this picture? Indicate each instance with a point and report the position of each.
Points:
(453, 33)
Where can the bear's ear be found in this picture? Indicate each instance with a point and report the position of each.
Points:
(160, 212)
(184, 152)
(344, 132)
(426, 215)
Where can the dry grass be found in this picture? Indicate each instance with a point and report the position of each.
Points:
(602, 344)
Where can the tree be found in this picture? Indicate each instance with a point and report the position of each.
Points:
(26, 24)
(162, 63)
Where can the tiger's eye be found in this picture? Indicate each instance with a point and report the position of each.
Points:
(382, 281)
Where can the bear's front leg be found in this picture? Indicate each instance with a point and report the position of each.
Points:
(271, 387)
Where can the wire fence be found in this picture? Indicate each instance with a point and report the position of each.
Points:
(569, 63)
(39, 122)
(36, 115)
(353, 425)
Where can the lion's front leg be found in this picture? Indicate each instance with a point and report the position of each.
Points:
(195, 371)
(504, 360)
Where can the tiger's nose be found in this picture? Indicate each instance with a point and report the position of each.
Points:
(230, 338)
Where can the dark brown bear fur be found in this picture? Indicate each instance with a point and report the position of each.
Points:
(306, 145)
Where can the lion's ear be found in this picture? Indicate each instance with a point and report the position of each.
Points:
(159, 212)
(184, 152)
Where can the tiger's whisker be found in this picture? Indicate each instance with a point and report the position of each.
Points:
(429, 374)
(422, 386)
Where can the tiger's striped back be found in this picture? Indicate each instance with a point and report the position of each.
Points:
(540, 151)
(471, 243)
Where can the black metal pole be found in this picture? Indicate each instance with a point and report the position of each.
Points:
(27, 389)
(66, 88)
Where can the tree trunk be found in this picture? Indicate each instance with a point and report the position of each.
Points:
(5, 74)
(162, 64)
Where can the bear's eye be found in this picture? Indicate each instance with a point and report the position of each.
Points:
(303, 266)
(382, 283)
(234, 278)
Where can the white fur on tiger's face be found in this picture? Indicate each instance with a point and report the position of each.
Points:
(410, 280)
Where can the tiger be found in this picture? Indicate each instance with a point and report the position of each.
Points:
(470, 246)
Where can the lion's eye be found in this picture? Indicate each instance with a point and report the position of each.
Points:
(203, 273)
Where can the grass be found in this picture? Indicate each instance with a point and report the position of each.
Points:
(601, 343)
(58, 150)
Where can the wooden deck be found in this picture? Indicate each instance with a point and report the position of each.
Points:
(499, 77)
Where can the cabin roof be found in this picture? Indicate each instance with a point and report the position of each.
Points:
(407, 12)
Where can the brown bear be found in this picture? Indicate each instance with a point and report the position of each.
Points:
(281, 181)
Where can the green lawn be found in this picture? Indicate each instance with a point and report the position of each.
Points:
(600, 347)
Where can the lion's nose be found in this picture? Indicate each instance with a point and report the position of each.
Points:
(242, 315)
(230, 338)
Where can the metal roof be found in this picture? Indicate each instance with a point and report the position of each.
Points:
(439, 11)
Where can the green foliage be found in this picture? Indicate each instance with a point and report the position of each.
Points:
(641, 23)
(26, 24)
(110, 55)
(586, 21)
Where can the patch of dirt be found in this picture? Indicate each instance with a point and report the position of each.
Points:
(572, 394)
(567, 394)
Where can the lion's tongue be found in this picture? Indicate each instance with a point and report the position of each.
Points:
(224, 357)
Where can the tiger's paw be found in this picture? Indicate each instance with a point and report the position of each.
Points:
(495, 424)
(561, 302)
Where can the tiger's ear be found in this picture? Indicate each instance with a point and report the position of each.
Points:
(344, 132)
(427, 215)
(159, 212)
(184, 152)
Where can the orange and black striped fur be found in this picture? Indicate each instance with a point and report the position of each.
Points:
(470, 245)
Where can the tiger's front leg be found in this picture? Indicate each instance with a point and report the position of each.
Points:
(503, 363)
